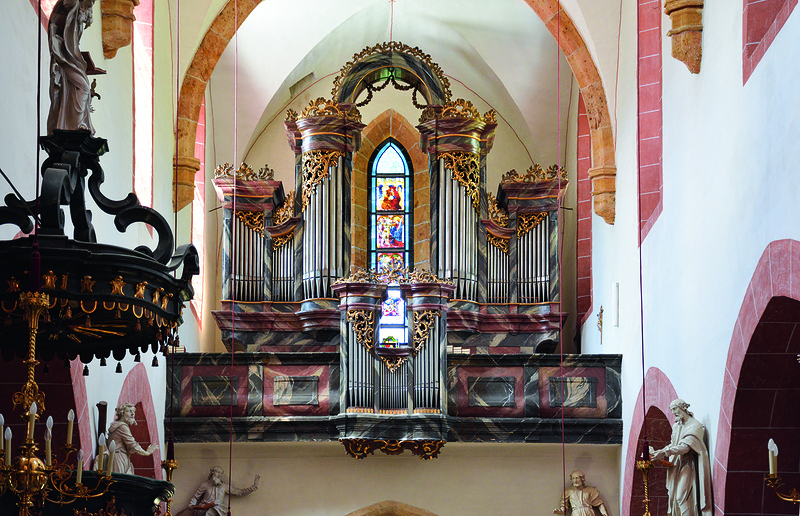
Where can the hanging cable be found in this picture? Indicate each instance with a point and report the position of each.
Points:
(234, 257)
(645, 446)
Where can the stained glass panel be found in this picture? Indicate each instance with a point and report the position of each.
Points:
(393, 310)
(390, 261)
(390, 162)
(389, 337)
(390, 194)
(391, 232)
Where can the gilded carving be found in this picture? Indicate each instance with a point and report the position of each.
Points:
(87, 284)
(116, 286)
(466, 170)
(392, 46)
(64, 278)
(424, 449)
(291, 116)
(402, 276)
(285, 211)
(49, 280)
(500, 243)
(535, 173)
(528, 221)
(423, 322)
(497, 214)
(316, 167)
(322, 107)
(459, 108)
(363, 322)
(140, 290)
(253, 220)
(13, 285)
(244, 173)
(280, 241)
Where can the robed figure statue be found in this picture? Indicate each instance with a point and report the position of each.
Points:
(70, 91)
(689, 477)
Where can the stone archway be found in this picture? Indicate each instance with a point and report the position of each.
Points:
(659, 394)
(390, 124)
(222, 29)
(768, 309)
(391, 508)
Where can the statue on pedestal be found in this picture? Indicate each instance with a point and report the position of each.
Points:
(212, 496)
(580, 499)
(689, 477)
(70, 91)
(120, 433)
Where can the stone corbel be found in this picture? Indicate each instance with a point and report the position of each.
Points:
(185, 170)
(118, 21)
(686, 31)
(604, 188)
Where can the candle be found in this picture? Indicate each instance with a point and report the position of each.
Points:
(7, 435)
(31, 420)
(70, 421)
(48, 437)
(2, 423)
(48, 457)
(101, 454)
(772, 449)
(171, 449)
(79, 466)
(112, 450)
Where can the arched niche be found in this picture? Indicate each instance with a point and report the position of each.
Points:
(391, 508)
(235, 12)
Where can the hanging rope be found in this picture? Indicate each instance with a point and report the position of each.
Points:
(234, 257)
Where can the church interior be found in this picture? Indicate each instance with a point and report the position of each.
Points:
(393, 257)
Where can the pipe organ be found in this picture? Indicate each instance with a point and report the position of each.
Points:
(392, 341)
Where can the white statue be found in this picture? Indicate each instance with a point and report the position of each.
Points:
(126, 445)
(689, 477)
(70, 91)
(212, 496)
(581, 499)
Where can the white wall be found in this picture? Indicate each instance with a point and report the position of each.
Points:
(730, 188)
(319, 479)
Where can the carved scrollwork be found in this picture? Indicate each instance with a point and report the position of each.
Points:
(458, 108)
(253, 220)
(358, 275)
(363, 322)
(423, 322)
(323, 107)
(391, 46)
(528, 221)
(500, 243)
(425, 449)
(535, 173)
(280, 241)
(285, 211)
(244, 173)
(466, 170)
(316, 167)
(497, 214)
(402, 276)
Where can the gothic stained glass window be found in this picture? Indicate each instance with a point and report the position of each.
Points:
(390, 225)
(390, 213)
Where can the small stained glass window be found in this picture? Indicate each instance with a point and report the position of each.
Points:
(390, 210)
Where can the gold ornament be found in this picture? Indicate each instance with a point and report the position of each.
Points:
(466, 170)
(528, 221)
(316, 167)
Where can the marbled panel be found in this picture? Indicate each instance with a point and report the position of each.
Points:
(227, 238)
(468, 376)
(513, 258)
(578, 389)
(205, 390)
(295, 390)
(532, 403)
(433, 167)
(491, 392)
(553, 239)
(255, 382)
(285, 401)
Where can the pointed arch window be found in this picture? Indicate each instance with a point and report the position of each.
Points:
(391, 208)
